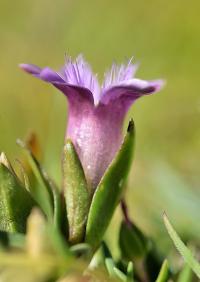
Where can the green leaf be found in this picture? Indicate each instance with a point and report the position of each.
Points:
(80, 249)
(59, 212)
(76, 193)
(23, 176)
(181, 247)
(97, 260)
(185, 274)
(110, 190)
(15, 202)
(109, 263)
(132, 242)
(58, 242)
(113, 271)
(4, 160)
(130, 272)
(119, 274)
(41, 192)
(164, 272)
(47, 193)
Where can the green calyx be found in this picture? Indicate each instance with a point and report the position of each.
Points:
(110, 190)
(89, 218)
(76, 193)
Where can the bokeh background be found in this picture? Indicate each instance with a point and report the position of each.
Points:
(164, 36)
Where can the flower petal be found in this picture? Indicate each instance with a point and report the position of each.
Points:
(130, 90)
(45, 74)
(48, 75)
(30, 68)
(74, 92)
(119, 73)
(51, 76)
(79, 73)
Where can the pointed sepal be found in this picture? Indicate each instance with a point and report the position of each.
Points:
(76, 193)
(164, 272)
(15, 202)
(110, 190)
(42, 191)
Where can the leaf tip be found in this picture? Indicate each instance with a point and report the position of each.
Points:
(68, 145)
(4, 159)
(131, 126)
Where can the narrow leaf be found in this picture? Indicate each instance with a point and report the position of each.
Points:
(164, 272)
(4, 160)
(23, 176)
(181, 247)
(119, 274)
(41, 192)
(15, 202)
(49, 196)
(59, 212)
(110, 266)
(185, 274)
(109, 190)
(80, 249)
(75, 192)
(58, 242)
(130, 272)
(113, 271)
(132, 242)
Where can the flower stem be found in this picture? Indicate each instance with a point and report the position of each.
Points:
(125, 213)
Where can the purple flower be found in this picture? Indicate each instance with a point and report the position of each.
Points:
(96, 112)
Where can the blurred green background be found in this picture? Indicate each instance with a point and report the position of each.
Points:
(164, 36)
